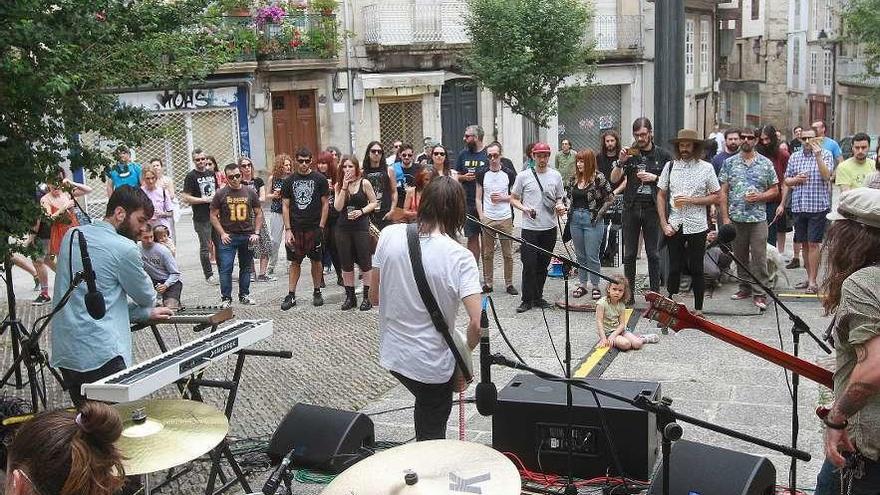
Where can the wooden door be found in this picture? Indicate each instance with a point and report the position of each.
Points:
(294, 122)
(458, 109)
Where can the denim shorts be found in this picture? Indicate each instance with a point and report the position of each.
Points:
(810, 227)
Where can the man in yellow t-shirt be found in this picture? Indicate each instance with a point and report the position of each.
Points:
(852, 172)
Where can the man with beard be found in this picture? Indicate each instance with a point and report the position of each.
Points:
(732, 139)
(610, 153)
(639, 199)
(854, 170)
(691, 185)
(564, 160)
(471, 160)
(769, 146)
(86, 349)
(611, 147)
(748, 183)
(199, 187)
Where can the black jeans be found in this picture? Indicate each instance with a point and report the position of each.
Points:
(205, 233)
(74, 380)
(433, 405)
(687, 250)
(641, 217)
(534, 263)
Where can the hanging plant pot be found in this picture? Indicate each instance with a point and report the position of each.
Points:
(239, 12)
(327, 11)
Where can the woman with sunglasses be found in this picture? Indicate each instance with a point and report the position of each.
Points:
(354, 201)
(264, 246)
(381, 177)
(440, 162)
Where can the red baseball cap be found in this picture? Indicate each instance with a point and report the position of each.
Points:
(541, 148)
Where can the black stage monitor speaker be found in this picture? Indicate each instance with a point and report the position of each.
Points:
(700, 469)
(530, 421)
(324, 439)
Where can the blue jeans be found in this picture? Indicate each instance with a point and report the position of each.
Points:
(587, 241)
(226, 257)
(828, 481)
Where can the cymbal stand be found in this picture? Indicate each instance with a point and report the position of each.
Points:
(222, 452)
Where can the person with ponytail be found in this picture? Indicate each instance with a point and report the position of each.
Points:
(67, 453)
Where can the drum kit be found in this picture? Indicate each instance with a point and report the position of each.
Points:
(161, 434)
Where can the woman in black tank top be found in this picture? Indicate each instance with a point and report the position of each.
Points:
(383, 182)
(354, 200)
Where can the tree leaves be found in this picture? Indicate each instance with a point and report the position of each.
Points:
(524, 50)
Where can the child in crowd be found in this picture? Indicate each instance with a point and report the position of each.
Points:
(160, 266)
(162, 236)
(609, 318)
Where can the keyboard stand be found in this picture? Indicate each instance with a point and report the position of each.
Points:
(222, 452)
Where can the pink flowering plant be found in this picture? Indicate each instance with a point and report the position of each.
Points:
(272, 14)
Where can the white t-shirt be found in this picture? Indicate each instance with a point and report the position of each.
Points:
(496, 182)
(409, 343)
(529, 193)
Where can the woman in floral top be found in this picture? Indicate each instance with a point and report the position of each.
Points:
(588, 190)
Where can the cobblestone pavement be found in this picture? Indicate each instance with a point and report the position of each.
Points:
(335, 364)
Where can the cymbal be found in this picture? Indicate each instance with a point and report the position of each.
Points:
(161, 434)
(436, 466)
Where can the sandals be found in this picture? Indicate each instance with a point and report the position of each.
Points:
(597, 294)
(812, 290)
(579, 292)
(802, 285)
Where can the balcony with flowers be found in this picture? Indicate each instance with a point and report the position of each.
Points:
(279, 35)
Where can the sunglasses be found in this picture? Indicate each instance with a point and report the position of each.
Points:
(493, 155)
(749, 138)
(376, 151)
(439, 153)
(246, 165)
(304, 160)
(406, 155)
(233, 176)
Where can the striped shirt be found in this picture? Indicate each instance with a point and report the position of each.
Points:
(815, 195)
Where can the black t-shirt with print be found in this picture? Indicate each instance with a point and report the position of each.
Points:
(200, 185)
(305, 193)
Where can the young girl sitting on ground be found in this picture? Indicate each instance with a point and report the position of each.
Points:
(609, 318)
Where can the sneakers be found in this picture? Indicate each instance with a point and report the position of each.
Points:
(317, 298)
(41, 300)
(512, 290)
(525, 306)
(225, 302)
(212, 280)
(651, 338)
(288, 302)
(740, 295)
(543, 304)
(487, 289)
(366, 305)
(266, 278)
(246, 300)
(794, 263)
(761, 302)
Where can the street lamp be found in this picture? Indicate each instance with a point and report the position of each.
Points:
(830, 44)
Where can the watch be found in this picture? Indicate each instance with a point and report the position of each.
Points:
(835, 426)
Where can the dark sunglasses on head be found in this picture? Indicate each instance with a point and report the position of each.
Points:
(304, 160)
(376, 151)
(233, 176)
(439, 153)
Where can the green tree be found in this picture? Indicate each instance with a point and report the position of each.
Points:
(861, 25)
(60, 63)
(523, 51)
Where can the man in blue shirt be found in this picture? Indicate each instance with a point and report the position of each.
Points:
(828, 144)
(471, 160)
(732, 139)
(125, 172)
(85, 349)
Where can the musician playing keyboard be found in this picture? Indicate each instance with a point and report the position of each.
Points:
(85, 349)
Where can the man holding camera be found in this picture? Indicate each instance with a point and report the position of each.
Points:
(641, 165)
(538, 193)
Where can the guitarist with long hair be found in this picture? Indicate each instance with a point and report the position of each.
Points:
(852, 427)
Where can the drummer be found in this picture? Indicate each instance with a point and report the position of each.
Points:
(86, 349)
(411, 347)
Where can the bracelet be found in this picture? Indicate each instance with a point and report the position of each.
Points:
(835, 426)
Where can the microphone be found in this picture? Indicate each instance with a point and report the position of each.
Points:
(486, 394)
(94, 299)
(274, 480)
(726, 235)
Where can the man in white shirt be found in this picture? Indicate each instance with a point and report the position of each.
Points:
(493, 208)
(410, 346)
(538, 193)
(692, 185)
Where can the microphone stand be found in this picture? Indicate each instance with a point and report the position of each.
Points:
(31, 355)
(567, 263)
(666, 416)
(798, 327)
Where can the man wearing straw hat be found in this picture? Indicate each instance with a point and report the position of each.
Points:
(692, 185)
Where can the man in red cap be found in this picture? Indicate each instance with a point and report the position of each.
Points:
(538, 193)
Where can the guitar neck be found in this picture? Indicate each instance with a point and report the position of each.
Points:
(794, 364)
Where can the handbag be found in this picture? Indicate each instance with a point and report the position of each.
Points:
(548, 201)
(461, 353)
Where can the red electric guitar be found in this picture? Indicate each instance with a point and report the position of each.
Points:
(677, 317)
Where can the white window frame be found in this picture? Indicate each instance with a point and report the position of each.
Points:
(816, 15)
(689, 27)
(795, 62)
(829, 14)
(797, 14)
(704, 52)
(829, 70)
(814, 60)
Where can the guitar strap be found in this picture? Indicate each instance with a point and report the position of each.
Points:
(415, 256)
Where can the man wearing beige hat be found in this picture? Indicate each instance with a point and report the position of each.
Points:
(852, 427)
(692, 185)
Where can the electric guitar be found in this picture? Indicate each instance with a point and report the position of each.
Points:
(677, 317)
